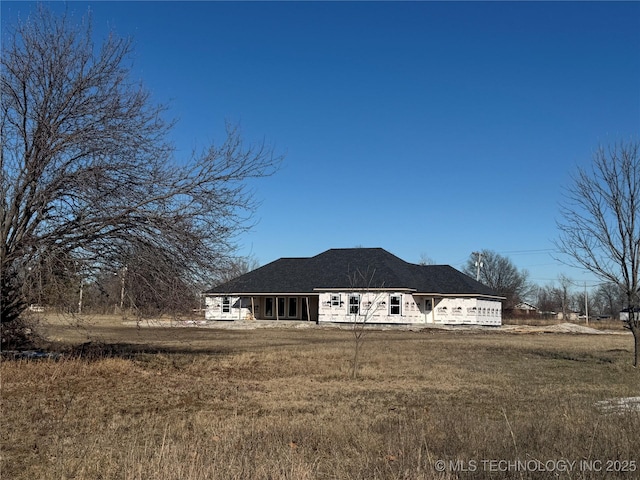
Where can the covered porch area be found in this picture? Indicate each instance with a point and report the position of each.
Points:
(289, 307)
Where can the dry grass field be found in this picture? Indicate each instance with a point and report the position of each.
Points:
(279, 403)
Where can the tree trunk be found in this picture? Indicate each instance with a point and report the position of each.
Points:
(356, 352)
(633, 325)
(636, 339)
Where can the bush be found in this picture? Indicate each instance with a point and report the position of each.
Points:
(20, 333)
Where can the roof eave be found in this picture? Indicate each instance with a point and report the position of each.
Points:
(317, 291)
(470, 295)
(257, 294)
(364, 289)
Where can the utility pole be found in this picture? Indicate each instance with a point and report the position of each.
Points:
(122, 283)
(586, 304)
(478, 264)
(80, 299)
(79, 273)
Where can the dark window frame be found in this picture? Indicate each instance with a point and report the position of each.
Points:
(395, 304)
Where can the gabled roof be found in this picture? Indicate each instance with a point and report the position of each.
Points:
(525, 306)
(351, 269)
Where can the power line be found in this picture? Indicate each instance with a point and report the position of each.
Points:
(533, 251)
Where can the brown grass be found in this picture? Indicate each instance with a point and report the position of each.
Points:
(189, 403)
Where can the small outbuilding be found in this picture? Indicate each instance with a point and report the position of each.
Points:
(355, 285)
(523, 310)
(624, 313)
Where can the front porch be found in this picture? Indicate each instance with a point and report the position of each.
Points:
(262, 307)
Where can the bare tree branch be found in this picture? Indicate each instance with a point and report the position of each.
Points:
(600, 225)
(499, 273)
(87, 168)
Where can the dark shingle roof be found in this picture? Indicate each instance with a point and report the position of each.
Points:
(352, 268)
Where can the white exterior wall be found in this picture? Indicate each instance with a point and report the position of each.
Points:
(414, 309)
(374, 307)
(214, 306)
(467, 311)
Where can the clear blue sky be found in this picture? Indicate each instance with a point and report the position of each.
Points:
(434, 128)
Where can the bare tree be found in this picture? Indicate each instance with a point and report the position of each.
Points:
(556, 299)
(148, 285)
(600, 226)
(235, 266)
(609, 299)
(88, 171)
(545, 299)
(426, 260)
(363, 304)
(563, 295)
(500, 274)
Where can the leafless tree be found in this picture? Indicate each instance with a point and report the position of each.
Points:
(552, 298)
(88, 170)
(233, 267)
(363, 304)
(609, 299)
(563, 294)
(600, 223)
(500, 274)
(426, 260)
(545, 299)
(148, 285)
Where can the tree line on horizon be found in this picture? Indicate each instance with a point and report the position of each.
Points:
(563, 296)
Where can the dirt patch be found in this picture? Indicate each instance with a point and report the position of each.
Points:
(255, 324)
(619, 405)
(559, 328)
(114, 321)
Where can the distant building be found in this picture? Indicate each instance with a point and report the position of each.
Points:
(526, 307)
(347, 285)
(624, 313)
(571, 316)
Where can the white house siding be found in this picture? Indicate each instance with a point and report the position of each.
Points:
(371, 307)
(467, 311)
(225, 308)
(378, 307)
(268, 307)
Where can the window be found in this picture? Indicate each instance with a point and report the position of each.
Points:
(226, 304)
(281, 307)
(335, 300)
(268, 307)
(354, 304)
(428, 305)
(394, 304)
(293, 307)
